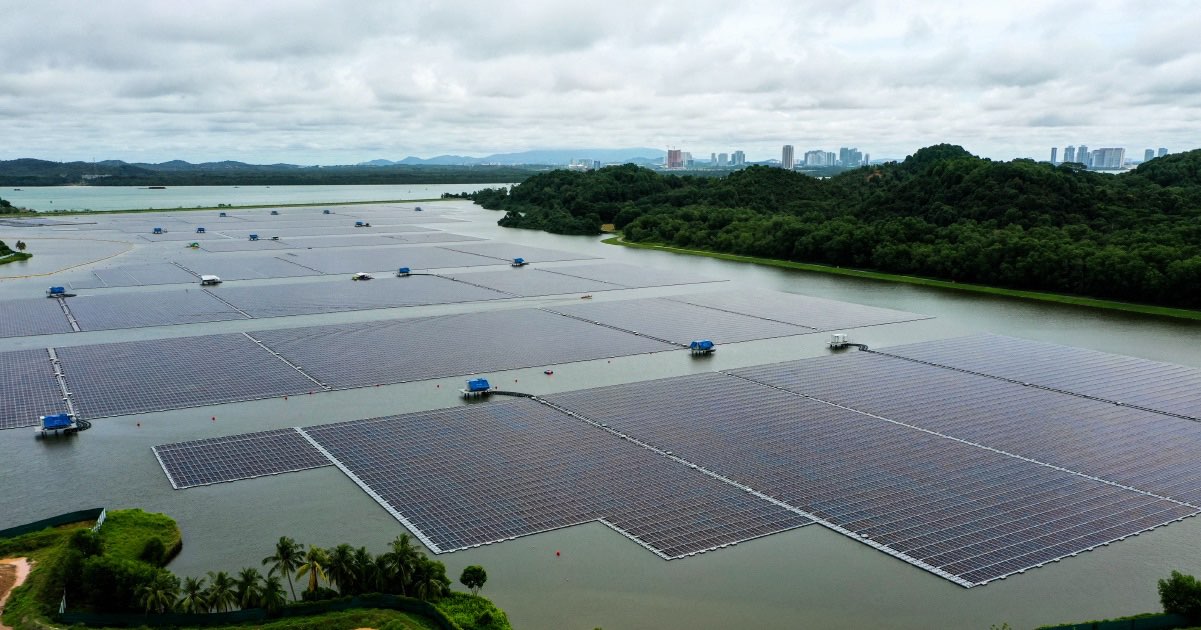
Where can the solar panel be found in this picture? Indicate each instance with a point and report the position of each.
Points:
(1159, 386)
(246, 456)
(396, 351)
(29, 388)
(1140, 449)
(801, 310)
(344, 295)
(434, 237)
(475, 475)
(678, 322)
(389, 258)
(183, 233)
(529, 282)
(139, 275)
(243, 245)
(342, 228)
(129, 377)
(32, 316)
(508, 251)
(629, 276)
(965, 513)
(112, 311)
(247, 267)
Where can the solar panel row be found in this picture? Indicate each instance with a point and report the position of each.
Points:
(217, 460)
(800, 310)
(33, 316)
(29, 388)
(340, 295)
(135, 310)
(628, 276)
(677, 322)
(531, 282)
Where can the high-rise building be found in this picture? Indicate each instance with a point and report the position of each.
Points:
(1082, 155)
(1109, 158)
(815, 158)
(1054, 155)
(713, 159)
(675, 158)
(723, 159)
(867, 159)
(786, 157)
(739, 158)
(1162, 152)
(831, 158)
(850, 158)
(1148, 155)
(1069, 153)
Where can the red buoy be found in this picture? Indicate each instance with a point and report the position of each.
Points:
(556, 554)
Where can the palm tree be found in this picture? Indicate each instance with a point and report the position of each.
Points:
(286, 560)
(249, 593)
(220, 595)
(192, 596)
(429, 579)
(159, 594)
(340, 569)
(314, 567)
(366, 571)
(402, 560)
(274, 597)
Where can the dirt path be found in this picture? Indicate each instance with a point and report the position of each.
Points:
(13, 572)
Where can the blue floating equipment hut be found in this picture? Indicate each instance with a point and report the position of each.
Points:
(403, 272)
(476, 388)
(519, 262)
(702, 346)
(200, 230)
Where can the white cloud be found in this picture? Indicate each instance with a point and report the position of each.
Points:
(334, 82)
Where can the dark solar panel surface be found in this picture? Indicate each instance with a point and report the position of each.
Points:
(28, 389)
(472, 475)
(628, 276)
(366, 240)
(1141, 449)
(32, 316)
(390, 258)
(340, 229)
(345, 295)
(524, 281)
(111, 311)
(184, 234)
(146, 274)
(679, 322)
(1129, 380)
(217, 460)
(508, 251)
(246, 267)
(802, 310)
(395, 351)
(115, 379)
(964, 512)
(243, 245)
(433, 237)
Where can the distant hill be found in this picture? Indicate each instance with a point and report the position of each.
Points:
(539, 157)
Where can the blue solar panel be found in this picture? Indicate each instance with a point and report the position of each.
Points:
(630, 276)
(33, 316)
(678, 322)
(801, 310)
(530, 282)
(246, 267)
(28, 388)
(218, 460)
(385, 258)
(112, 311)
(506, 252)
(344, 295)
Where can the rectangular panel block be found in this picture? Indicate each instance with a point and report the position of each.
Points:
(433, 237)
(678, 322)
(965, 513)
(217, 460)
(244, 245)
(629, 276)
(386, 258)
(1159, 386)
(345, 295)
(508, 251)
(115, 379)
(474, 475)
(33, 316)
(529, 282)
(28, 389)
(246, 267)
(801, 310)
(110, 311)
(396, 351)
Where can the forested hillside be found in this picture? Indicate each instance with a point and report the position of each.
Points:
(941, 213)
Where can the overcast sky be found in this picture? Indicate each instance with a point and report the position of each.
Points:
(312, 82)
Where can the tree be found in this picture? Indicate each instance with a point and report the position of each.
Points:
(220, 595)
(314, 567)
(274, 597)
(247, 588)
(191, 598)
(159, 594)
(21, 246)
(366, 571)
(286, 559)
(429, 579)
(339, 569)
(401, 560)
(473, 577)
(1181, 595)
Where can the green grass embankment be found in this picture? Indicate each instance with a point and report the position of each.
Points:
(14, 257)
(1145, 309)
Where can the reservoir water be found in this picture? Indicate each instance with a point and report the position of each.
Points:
(806, 578)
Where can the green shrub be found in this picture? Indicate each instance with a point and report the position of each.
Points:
(110, 584)
(1181, 595)
(153, 552)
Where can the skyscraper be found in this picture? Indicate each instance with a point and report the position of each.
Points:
(1069, 153)
(1082, 155)
(723, 159)
(1162, 152)
(1148, 155)
(786, 157)
(713, 159)
(1109, 158)
(815, 158)
(1054, 155)
(849, 158)
(675, 158)
(739, 158)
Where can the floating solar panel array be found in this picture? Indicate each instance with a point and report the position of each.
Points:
(508, 251)
(386, 258)
(136, 275)
(29, 388)
(159, 308)
(281, 300)
(433, 237)
(396, 351)
(1163, 387)
(217, 460)
(247, 267)
(184, 234)
(470, 476)
(1138, 449)
(243, 245)
(963, 512)
(32, 316)
(678, 322)
(801, 310)
(530, 282)
(114, 379)
(628, 276)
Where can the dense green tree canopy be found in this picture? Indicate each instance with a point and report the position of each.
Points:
(940, 213)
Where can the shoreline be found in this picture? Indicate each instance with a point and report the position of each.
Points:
(21, 568)
(307, 204)
(1058, 298)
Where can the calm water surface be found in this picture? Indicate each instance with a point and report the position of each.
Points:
(806, 578)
